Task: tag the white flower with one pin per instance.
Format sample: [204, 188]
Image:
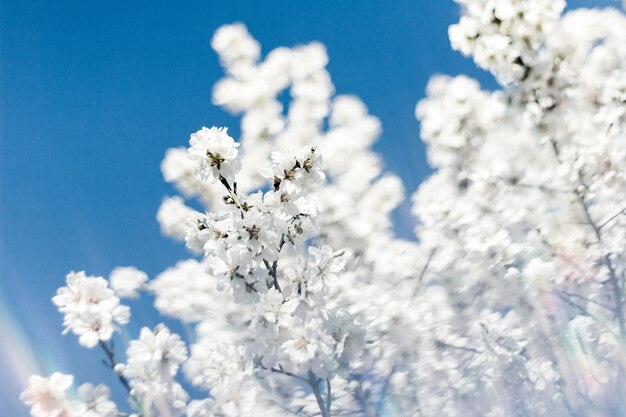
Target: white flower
[276, 309]
[47, 396]
[153, 361]
[127, 281]
[172, 217]
[91, 309]
[211, 365]
[326, 263]
[526, 198]
[293, 172]
[95, 401]
[505, 36]
[178, 168]
[236, 48]
[215, 154]
[302, 344]
[541, 373]
[188, 292]
[156, 354]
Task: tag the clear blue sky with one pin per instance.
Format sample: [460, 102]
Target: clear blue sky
[93, 93]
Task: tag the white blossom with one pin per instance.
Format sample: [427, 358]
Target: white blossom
[95, 401]
[172, 217]
[304, 300]
[153, 361]
[47, 396]
[215, 154]
[90, 308]
[127, 281]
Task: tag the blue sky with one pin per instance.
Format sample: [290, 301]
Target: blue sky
[93, 93]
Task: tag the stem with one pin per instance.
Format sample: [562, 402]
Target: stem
[273, 268]
[540, 187]
[232, 193]
[280, 370]
[108, 350]
[314, 383]
[610, 219]
[328, 396]
[431, 255]
[588, 300]
[112, 363]
[441, 343]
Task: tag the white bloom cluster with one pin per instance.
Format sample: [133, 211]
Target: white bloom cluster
[505, 36]
[524, 215]
[304, 301]
[187, 292]
[48, 398]
[237, 50]
[454, 119]
[243, 246]
[172, 216]
[350, 201]
[153, 361]
[215, 153]
[91, 309]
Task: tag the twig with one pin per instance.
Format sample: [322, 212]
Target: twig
[565, 293]
[328, 396]
[441, 343]
[108, 350]
[280, 370]
[314, 383]
[113, 363]
[613, 217]
[431, 255]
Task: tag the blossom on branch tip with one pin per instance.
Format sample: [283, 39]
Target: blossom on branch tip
[215, 154]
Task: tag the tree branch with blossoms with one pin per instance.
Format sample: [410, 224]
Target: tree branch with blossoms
[511, 291]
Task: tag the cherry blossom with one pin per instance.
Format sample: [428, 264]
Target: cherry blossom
[126, 281]
[90, 308]
[301, 299]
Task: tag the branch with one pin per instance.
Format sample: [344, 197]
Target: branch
[617, 291]
[424, 269]
[441, 343]
[328, 396]
[541, 187]
[280, 370]
[273, 268]
[108, 350]
[112, 363]
[565, 293]
[610, 219]
[314, 383]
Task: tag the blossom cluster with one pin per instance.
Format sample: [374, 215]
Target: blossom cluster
[505, 36]
[299, 297]
[91, 309]
[48, 397]
[524, 215]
